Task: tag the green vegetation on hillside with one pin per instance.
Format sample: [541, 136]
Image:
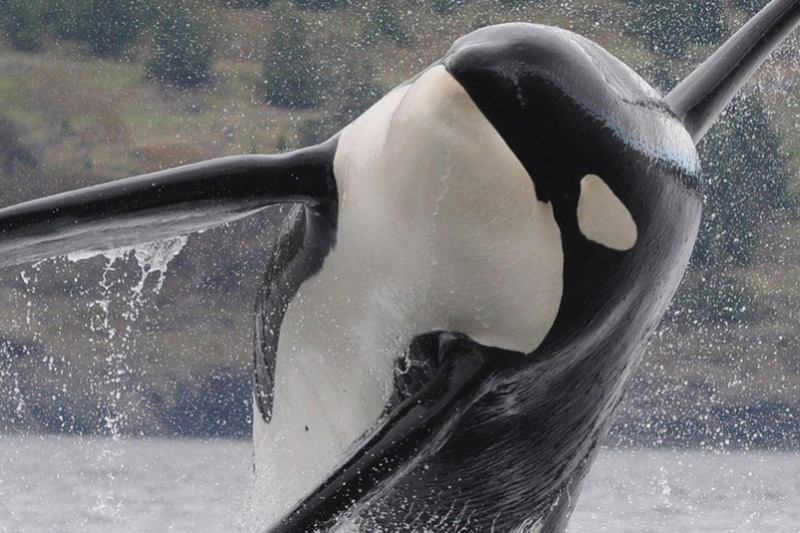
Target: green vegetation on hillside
[93, 90]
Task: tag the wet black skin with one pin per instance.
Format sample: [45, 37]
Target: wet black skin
[480, 437]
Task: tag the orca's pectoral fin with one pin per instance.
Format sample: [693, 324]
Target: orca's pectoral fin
[409, 433]
[163, 204]
[700, 98]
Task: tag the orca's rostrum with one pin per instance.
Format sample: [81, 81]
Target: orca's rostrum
[453, 309]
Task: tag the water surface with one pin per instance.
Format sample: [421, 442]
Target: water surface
[70, 484]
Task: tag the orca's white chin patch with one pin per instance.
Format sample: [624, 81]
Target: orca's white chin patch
[602, 217]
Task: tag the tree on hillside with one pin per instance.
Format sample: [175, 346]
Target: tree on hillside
[350, 89]
[445, 7]
[750, 7]
[182, 57]
[319, 5]
[515, 3]
[291, 75]
[260, 4]
[21, 22]
[745, 175]
[385, 20]
[110, 27]
[708, 22]
[665, 26]
[668, 28]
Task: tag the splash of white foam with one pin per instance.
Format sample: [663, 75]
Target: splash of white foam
[155, 257]
[152, 258]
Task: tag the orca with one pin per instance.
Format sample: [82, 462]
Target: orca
[465, 283]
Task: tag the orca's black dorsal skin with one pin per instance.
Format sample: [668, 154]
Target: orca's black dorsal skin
[451, 313]
[515, 449]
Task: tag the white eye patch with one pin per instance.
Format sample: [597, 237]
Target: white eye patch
[602, 217]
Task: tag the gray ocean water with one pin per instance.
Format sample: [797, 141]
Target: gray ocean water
[68, 484]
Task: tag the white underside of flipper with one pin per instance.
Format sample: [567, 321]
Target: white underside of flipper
[439, 229]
